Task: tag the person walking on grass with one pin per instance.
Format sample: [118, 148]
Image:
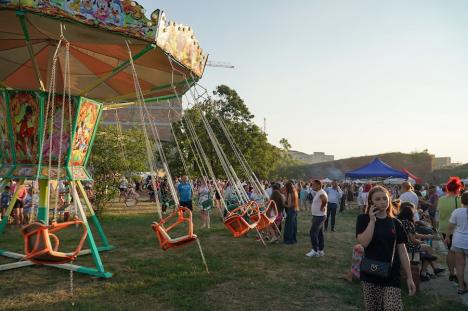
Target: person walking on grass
[334, 194]
[383, 238]
[458, 227]
[319, 214]
[292, 206]
[447, 204]
[185, 193]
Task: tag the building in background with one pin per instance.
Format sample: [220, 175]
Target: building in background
[316, 157]
[162, 113]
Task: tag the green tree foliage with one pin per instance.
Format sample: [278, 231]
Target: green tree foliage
[114, 155]
[286, 146]
[252, 142]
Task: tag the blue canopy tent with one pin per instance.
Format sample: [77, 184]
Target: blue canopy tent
[376, 168]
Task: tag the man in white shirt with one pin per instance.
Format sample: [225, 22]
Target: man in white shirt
[409, 196]
[334, 194]
[319, 214]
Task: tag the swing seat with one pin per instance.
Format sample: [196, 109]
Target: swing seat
[267, 216]
[41, 244]
[183, 215]
[242, 219]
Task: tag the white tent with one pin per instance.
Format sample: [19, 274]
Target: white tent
[398, 181]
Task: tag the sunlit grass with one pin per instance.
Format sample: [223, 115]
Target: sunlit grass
[244, 274]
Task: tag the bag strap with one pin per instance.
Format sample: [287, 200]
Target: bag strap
[394, 243]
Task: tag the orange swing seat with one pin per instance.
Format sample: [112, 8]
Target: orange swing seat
[267, 215]
[242, 219]
[38, 246]
[166, 242]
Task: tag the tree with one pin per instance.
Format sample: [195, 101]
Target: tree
[285, 144]
[115, 155]
[226, 105]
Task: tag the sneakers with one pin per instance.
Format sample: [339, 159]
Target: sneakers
[313, 253]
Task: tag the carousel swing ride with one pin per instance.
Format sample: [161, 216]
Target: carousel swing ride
[62, 63]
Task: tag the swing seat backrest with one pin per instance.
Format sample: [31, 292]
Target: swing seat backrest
[207, 203]
[268, 215]
[183, 215]
[41, 244]
[242, 219]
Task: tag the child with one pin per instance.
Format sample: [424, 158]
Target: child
[5, 200]
[206, 203]
[27, 210]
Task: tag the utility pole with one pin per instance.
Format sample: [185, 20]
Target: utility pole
[264, 125]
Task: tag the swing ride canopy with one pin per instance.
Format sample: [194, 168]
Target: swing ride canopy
[101, 33]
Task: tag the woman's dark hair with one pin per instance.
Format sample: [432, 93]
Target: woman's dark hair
[278, 198]
[406, 211]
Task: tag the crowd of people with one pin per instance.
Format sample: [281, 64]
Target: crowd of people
[398, 231]
[26, 205]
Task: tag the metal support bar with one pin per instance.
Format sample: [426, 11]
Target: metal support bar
[94, 218]
[3, 85]
[44, 197]
[15, 265]
[76, 268]
[90, 238]
[147, 100]
[115, 71]
[24, 26]
[151, 90]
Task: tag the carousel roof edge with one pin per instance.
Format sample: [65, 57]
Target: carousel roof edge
[125, 17]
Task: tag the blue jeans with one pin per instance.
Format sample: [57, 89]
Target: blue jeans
[290, 227]
[331, 211]
[316, 233]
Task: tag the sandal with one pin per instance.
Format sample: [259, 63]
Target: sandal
[461, 291]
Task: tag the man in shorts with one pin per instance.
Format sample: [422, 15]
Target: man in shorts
[19, 205]
[185, 193]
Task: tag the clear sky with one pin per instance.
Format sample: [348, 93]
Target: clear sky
[349, 77]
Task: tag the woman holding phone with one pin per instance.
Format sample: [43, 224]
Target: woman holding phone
[383, 238]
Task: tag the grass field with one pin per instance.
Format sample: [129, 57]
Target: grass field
[244, 274]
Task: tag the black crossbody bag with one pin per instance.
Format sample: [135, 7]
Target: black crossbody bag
[378, 268]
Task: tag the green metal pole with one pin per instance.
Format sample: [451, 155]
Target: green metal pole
[10, 207]
[43, 208]
[92, 244]
[24, 26]
[94, 218]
